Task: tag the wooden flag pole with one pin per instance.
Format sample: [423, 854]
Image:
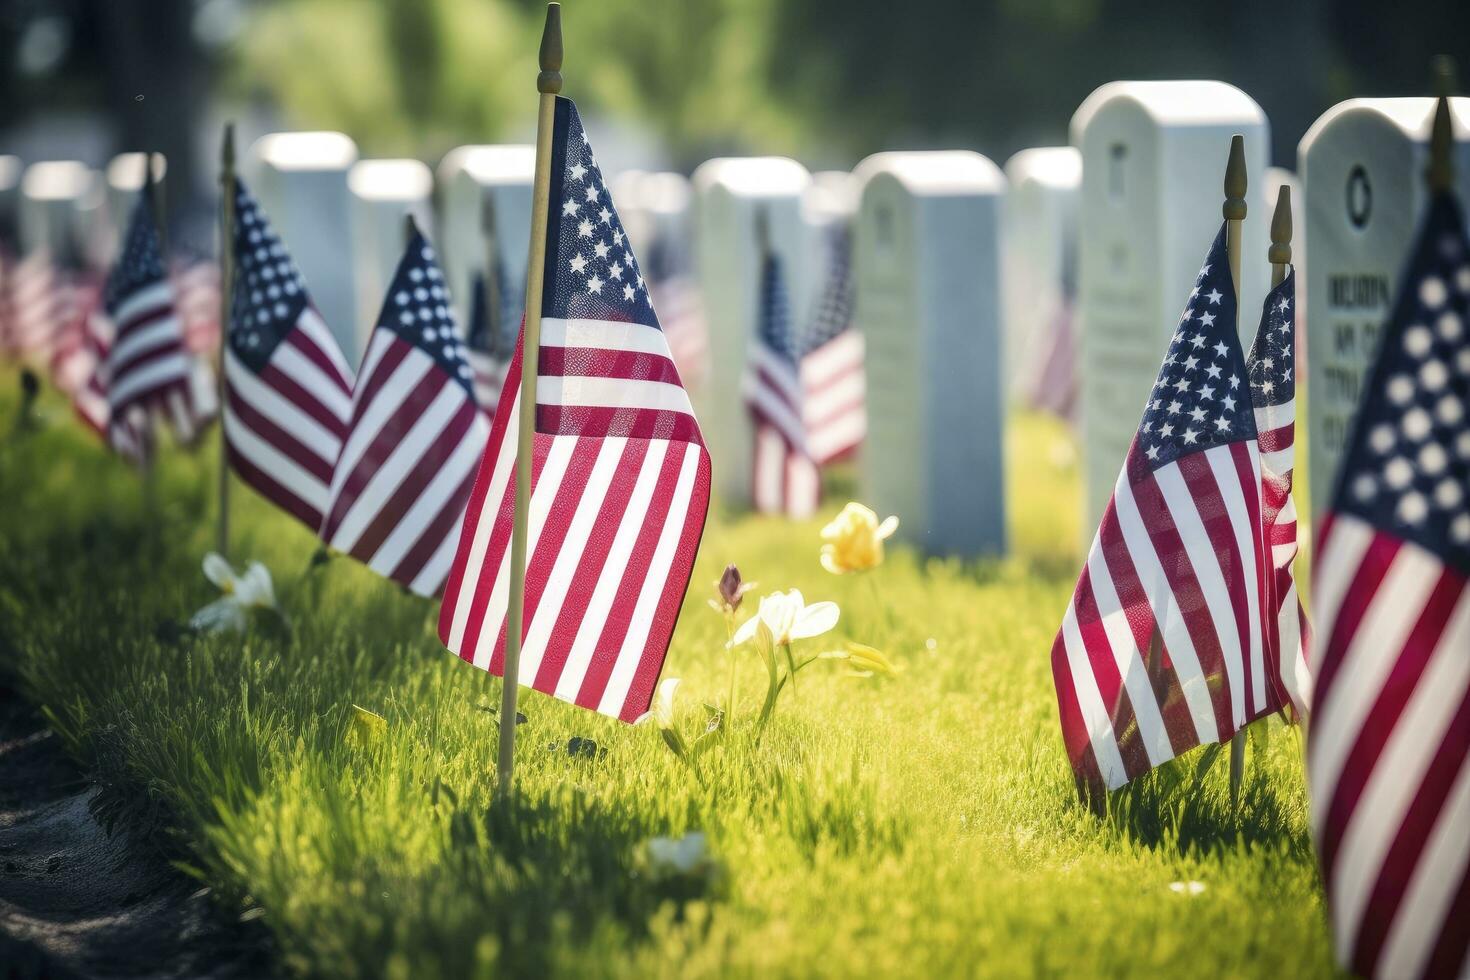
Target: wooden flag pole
[226, 295]
[1441, 171]
[1234, 210]
[548, 83]
[1280, 250]
[153, 191]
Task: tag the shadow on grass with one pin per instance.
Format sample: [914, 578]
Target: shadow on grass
[1185, 805]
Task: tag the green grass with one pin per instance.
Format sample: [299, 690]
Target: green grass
[924, 824]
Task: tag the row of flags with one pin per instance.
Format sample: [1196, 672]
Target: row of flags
[805, 393]
[1186, 624]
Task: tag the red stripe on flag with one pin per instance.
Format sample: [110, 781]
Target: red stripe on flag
[597, 362]
[620, 616]
[628, 423]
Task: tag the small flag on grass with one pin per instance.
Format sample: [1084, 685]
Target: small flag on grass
[620, 475]
[409, 457]
[288, 387]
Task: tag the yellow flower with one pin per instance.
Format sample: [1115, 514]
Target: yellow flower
[855, 540]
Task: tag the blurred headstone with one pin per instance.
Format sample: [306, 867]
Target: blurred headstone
[1153, 166]
[1362, 168]
[469, 177]
[300, 180]
[1039, 257]
[10, 171]
[51, 194]
[927, 267]
[383, 191]
[729, 193]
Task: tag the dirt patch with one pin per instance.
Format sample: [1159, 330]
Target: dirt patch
[78, 901]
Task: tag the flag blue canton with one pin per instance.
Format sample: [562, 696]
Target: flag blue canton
[1407, 469]
[417, 310]
[492, 331]
[1200, 399]
[1273, 381]
[590, 268]
[775, 313]
[141, 262]
[834, 310]
[269, 291]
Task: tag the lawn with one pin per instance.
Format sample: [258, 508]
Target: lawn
[919, 824]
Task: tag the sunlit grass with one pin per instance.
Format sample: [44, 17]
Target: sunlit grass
[914, 825]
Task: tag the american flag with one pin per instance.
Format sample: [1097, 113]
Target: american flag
[1272, 369]
[147, 366]
[1161, 648]
[834, 390]
[41, 300]
[72, 357]
[489, 341]
[196, 280]
[684, 325]
[784, 478]
[1388, 752]
[620, 473]
[288, 389]
[1053, 384]
[409, 457]
[90, 398]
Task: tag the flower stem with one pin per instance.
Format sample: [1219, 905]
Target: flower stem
[734, 662]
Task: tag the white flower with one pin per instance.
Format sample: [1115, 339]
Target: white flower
[784, 617]
[682, 856]
[242, 593]
[1186, 887]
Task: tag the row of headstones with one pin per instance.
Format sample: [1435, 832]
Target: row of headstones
[1120, 217]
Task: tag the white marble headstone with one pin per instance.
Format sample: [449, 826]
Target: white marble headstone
[469, 176]
[1153, 169]
[1362, 166]
[927, 267]
[300, 180]
[10, 171]
[52, 195]
[729, 192]
[1039, 256]
[383, 192]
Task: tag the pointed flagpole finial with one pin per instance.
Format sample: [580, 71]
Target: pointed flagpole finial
[1235, 181]
[1280, 251]
[227, 148]
[410, 228]
[1441, 172]
[549, 81]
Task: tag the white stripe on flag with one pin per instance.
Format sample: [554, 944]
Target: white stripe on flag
[599, 607]
[1365, 666]
[139, 381]
[574, 392]
[630, 657]
[1167, 615]
[633, 337]
[146, 301]
[1397, 775]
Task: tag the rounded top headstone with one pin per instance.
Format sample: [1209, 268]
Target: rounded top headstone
[935, 172]
[321, 150]
[1185, 102]
[390, 180]
[665, 193]
[510, 163]
[56, 180]
[1058, 167]
[753, 176]
[125, 171]
[1411, 115]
